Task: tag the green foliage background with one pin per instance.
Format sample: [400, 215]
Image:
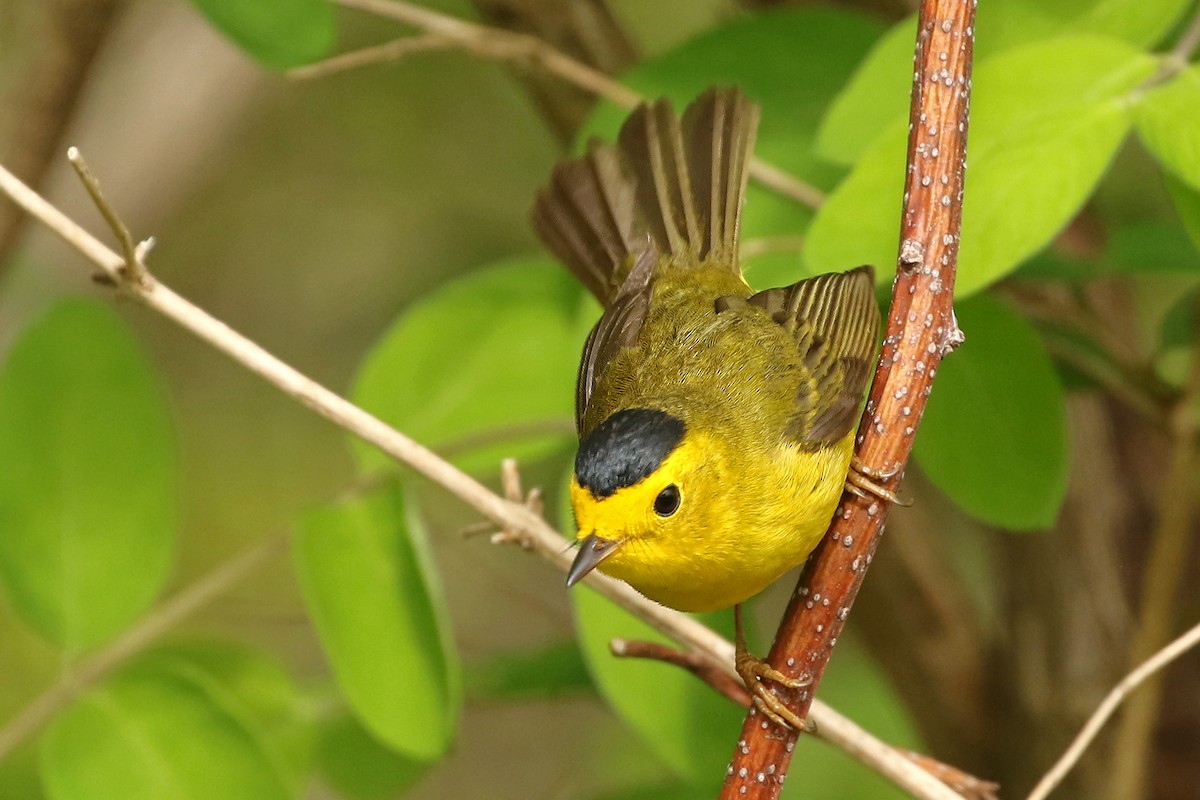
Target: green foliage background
[371, 229]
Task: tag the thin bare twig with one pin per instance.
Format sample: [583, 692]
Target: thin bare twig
[964, 783]
[156, 623]
[1105, 710]
[530, 51]
[921, 330]
[379, 54]
[517, 517]
[699, 664]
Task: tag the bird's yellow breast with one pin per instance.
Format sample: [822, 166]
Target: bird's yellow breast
[745, 517]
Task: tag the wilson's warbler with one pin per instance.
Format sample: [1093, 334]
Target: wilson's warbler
[716, 425]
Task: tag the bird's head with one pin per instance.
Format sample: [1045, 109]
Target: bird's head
[637, 480]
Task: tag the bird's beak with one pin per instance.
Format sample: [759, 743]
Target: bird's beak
[592, 550]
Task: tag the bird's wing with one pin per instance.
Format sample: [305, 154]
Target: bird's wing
[835, 321]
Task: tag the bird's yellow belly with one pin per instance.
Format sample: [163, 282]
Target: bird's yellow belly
[775, 532]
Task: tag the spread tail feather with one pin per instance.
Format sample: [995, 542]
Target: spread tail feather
[670, 187]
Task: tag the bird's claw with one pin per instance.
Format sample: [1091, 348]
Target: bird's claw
[754, 672]
[865, 482]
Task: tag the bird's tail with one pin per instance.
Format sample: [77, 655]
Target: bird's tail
[671, 186]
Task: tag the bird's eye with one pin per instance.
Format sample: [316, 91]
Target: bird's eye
[667, 502]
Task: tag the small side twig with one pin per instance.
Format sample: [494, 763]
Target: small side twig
[133, 269]
[1111, 702]
[378, 54]
[699, 664]
[967, 785]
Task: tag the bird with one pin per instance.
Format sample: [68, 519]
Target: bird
[716, 424]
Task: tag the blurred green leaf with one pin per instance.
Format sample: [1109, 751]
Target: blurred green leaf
[490, 353]
[252, 687]
[278, 33]
[151, 734]
[373, 592]
[1037, 149]
[358, 766]
[1139, 22]
[87, 476]
[550, 672]
[1168, 122]
[994, 432]
[876, 96]
[1187, 206]
[860, 222]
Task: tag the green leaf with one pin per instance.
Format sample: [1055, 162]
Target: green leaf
[1037, 149]
[150, 734]
[357, 765]
[873, 100]
[493, 352]
[87, 476]
[252, 687]
[1168, 122]
[1139, 22]
[278, 33]
[994, 433]
[373, 592]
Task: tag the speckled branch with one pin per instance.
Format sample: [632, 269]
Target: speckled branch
[921, 329]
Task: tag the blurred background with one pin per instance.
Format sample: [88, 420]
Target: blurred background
[310, 214]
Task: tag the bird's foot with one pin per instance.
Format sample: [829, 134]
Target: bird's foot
[865, 482]
[755, 672]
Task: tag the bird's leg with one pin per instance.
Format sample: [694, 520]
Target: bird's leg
[863, 481]
[754, 671]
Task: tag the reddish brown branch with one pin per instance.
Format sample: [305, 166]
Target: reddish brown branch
[700, 665]
[921, 329]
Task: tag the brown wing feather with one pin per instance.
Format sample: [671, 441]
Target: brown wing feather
[835, 320]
